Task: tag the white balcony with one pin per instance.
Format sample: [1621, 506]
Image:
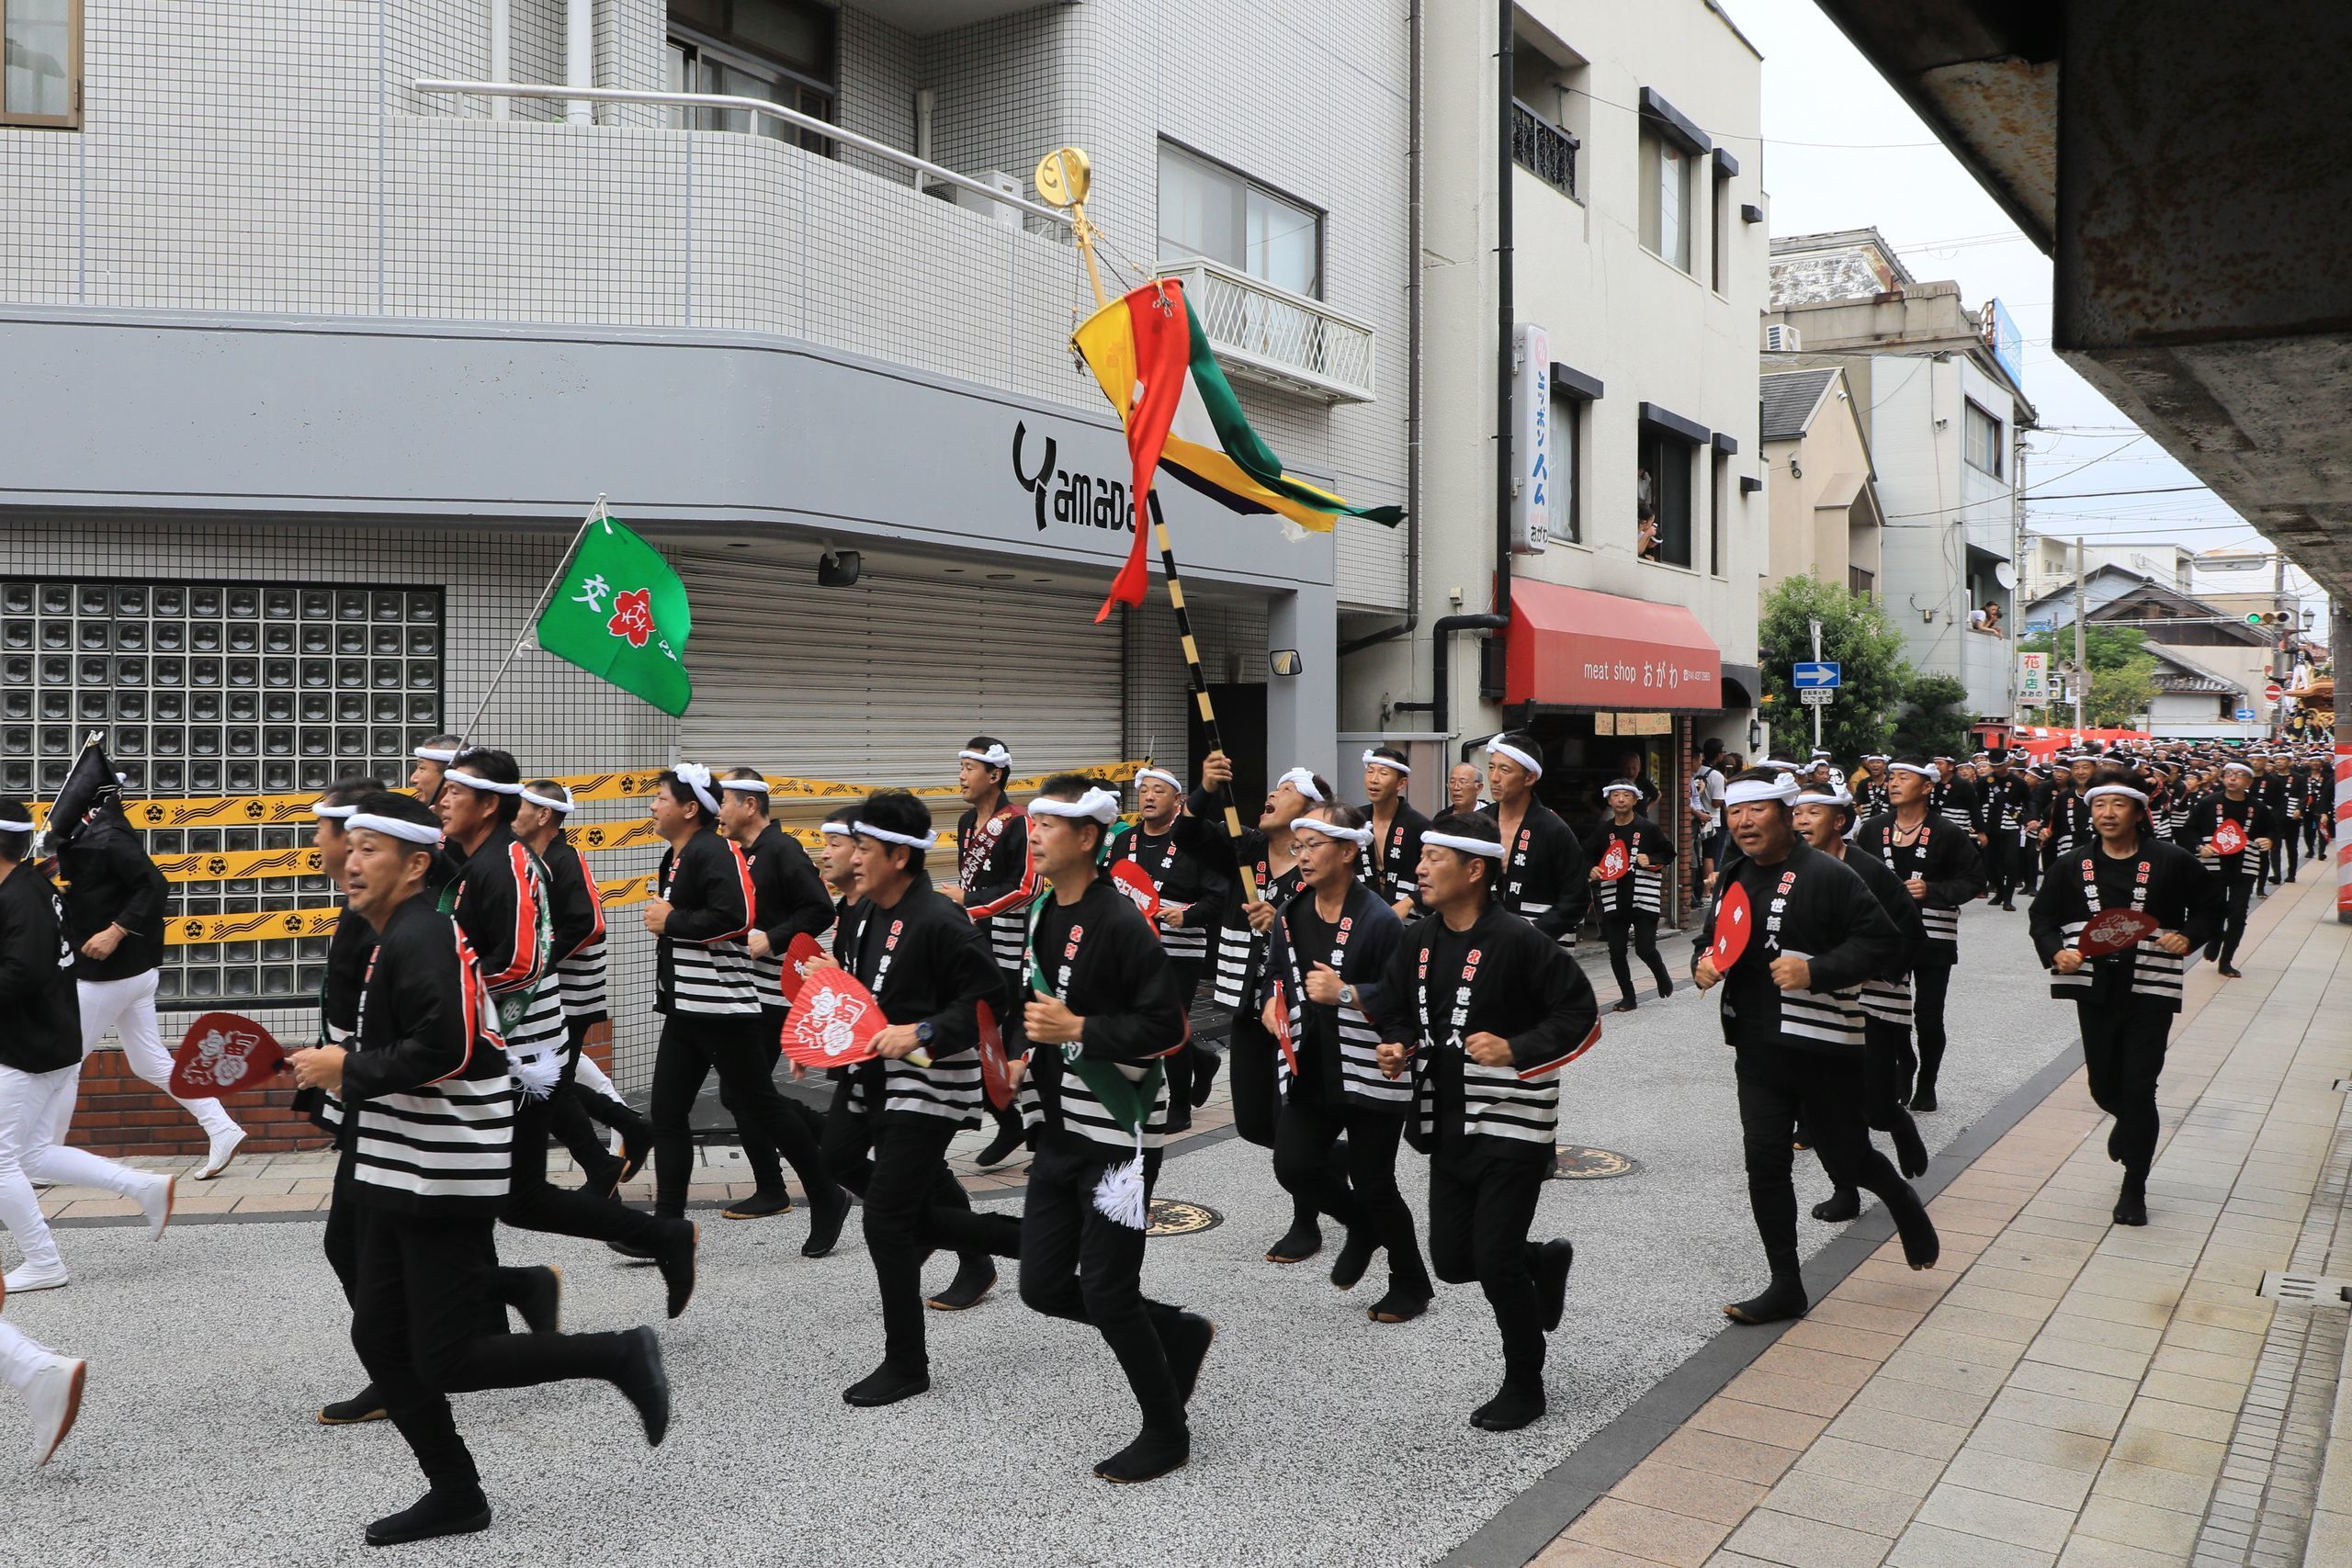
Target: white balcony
[1275, 338]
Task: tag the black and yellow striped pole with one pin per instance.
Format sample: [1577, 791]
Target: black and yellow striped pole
[1062, 180]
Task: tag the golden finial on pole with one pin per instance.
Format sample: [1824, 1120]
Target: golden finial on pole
[1063, 177]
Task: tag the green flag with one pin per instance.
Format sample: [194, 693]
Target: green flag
[619, 613]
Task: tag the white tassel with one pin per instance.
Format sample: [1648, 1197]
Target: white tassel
[1119, 1196]
[538, 1074]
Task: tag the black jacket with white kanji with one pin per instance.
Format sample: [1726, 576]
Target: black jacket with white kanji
[1393, 872]
[1812, 906]
[1545, 874]
[1946, 860]
[1101, 958]
[700, 963]
[37, 990]
[1642, 890]
[999, 875]
[925, 964]
[788, 899]
[1337, 1043]
[1185, 875]
[2158, 879]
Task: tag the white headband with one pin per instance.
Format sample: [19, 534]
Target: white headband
[1776, 762]
[562, 806]
[1873, 756]
[394, 826]
[1928, 773]
[846, 830]
[1628, 785]
[332, 813]
[475, 781]
[1303, 781]
[1825, 796]
[696, 777]
[1501, 748]
[1163, 775]
[2098, 790]
[749, 786]
[1333, 831]
[868, 831]
[1098, 804]
[995, 756]
[1468, 846]
[433, 754]
[1371, 760]
[1782, 789]
[2237, 768]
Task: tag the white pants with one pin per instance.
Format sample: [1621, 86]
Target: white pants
[127, 1007]
[20, 1358]
[35, 1109]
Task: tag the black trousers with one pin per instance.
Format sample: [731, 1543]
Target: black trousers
[1251, 1055]
[341, 1244]
[2001, 865]
[766, 1165]
[422, 1289]
[2311, 836]
[533, 1204]
[1185, 1064]
[912, 1205]
[2238, 892]
[2124, 1039]
[569, 1117]
[1780, 1088]
[1353, 1181]
[1639, 928]
[2285, 850]
[1888, 1066]
[1079, 1264]
[2029, 857]
[692, 1046]
[1930, 984]
[1482, 1203]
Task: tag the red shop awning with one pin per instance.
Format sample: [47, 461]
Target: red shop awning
[1575, 647]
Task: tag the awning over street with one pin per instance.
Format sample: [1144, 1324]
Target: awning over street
[1575, 647]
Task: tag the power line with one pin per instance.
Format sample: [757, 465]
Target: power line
[2073, 495]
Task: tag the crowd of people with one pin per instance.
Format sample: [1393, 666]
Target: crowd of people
[1389, 980]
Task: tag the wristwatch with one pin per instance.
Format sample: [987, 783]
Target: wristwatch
[923, 1031]
[1347, 996]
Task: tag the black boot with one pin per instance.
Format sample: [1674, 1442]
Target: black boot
[1783, 1298]
[1355, 1257]
[1838, 1207]
[1204, 1074]
[827, 1213]
[1301, 1241]
[1516, 1405]
[366, 1405]
[1910, 1149]
[759, 1206]
[645, 1383]
[541, 1302]
[1001, 1148]
[885, 1385]
[440, 1512]
[1923, 1099]
[1921, 1245]
[2131, 1203]
[1185, 1339]
[975, 1277]
[677, 1261]
[1152, 1455]
[1553, 1261]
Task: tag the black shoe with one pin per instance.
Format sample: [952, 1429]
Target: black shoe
[1401, 1304]
[1921, 1245]
[1001, 1148]
[1783, 1299]
[1838, 1207]
[1186, 1344]
[2011, 908]
[602, 1178]
[1301, 1241]
[975, 1278]
[1204, 1076]
[1509, 1410]
[1910, 1149]
[542, 1305]
[2212, 951]
[1553, 1261]
[435, 1514]
[759, 1206]
[1150, 1457]
[677, 1261]
[1923, 1099]
[633, 1252]
[365, 1405]
[2231, 972]
[637, 1145]
[826, 1216]
[645, 1384]
[885, 1386]
[1625, 1006]
[1355, 1257]
[1665, 986]
[2131, 1203]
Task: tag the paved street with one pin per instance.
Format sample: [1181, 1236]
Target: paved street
[1321, 1438]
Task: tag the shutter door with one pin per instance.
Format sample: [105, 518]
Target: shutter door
[883, 682]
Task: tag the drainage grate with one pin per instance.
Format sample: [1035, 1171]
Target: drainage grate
[2305, 1290]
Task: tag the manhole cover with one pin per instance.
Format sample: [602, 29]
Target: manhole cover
[1576, 1162]
[1174, 1216]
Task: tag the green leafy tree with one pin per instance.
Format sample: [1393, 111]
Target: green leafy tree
[1934, 721]
[2122, 673]
[1856, 635]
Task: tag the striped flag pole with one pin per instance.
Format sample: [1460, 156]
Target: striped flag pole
[2342, 824]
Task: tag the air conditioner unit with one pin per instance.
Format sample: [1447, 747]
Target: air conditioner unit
[1781, 340]
[971, 201]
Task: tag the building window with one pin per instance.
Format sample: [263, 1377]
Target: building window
[783, 51]
[1860, 583]
[1666, 199]
[1719, 223]
[1664, 534]
[41, 83]
[1568, 465]
[1206, 210]
[219, 690]
[1983, 441]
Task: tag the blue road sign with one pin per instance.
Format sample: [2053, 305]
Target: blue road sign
[2245, 716]
[2037, 628]
[1815, 677]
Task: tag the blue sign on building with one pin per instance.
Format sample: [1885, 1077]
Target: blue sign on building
[2002, 337]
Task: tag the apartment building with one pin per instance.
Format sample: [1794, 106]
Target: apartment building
[1826, 518]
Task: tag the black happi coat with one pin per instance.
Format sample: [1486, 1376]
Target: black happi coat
[925, 963]
[1946, 860]
[1337, 1043]
[1185, 873]
[1119, 980]
[1638, 891]
[111, 882]
[1544, 872]
[2175, 891]
[1815, 905]
[37, 990]
[2208, 815]
[1394, 874]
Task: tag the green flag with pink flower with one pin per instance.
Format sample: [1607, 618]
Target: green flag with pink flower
[619, 611]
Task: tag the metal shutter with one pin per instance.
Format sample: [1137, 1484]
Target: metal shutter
[881, 683]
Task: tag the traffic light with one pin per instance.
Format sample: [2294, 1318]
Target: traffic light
[2270, 620]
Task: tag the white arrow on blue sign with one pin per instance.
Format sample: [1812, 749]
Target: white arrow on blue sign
[1815, 677]
[2245, 716]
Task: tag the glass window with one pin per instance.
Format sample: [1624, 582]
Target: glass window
[1666, 199]
[1205, 210]
[1983, 436]
[1664, 489]
[1719, 244]
[42, 81]
[1568, 467]
[780, 51]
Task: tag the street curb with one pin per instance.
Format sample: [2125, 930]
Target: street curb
[1530, 1522]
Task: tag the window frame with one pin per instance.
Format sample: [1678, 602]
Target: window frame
[1972, 411]
[1668, 440]
[72, 119]
[1247, 183]
[704, 48]
[1655, 148]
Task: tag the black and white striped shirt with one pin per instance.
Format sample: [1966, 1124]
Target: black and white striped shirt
[1101, 958]
[701, 965]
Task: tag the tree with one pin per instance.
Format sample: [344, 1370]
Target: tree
[1934, 721]
[2122, 673]
[1856, 635]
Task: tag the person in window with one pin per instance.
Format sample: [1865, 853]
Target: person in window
[1989, 619]
[1645, 541]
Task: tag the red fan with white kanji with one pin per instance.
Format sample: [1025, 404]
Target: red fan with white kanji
[2228, 838]
[2112, 930]
[1614, 862]
[996, 1078]
[833, 1022]
[223, 1053]
[798, 954]
[1136, 883]
[1734, 921]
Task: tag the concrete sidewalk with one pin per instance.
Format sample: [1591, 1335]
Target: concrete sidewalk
[2062, 1389]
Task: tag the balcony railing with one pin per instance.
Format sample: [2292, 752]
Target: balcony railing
[1542, 148]
[1276, 338]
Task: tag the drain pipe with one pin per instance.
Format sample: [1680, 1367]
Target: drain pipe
[579, 59]
[1506, 313]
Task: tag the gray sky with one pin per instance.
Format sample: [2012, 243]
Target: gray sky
[1842, 150]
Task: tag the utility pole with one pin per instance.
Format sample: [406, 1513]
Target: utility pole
[2081, 659]
[1816, 707]
[2282, 660]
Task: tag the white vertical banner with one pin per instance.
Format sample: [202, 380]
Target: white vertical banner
[2033, 680]
[1530, 440]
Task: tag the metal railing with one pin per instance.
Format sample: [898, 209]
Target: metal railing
[1277, 338]
[1542, 148]
[760, 107]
